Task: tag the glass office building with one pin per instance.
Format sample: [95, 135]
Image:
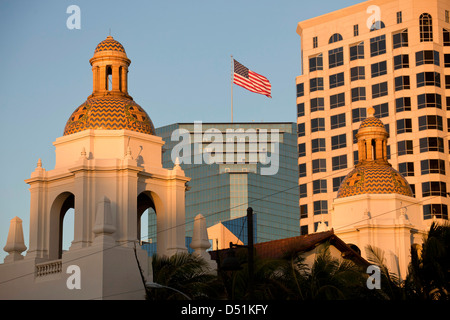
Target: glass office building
[248, 165]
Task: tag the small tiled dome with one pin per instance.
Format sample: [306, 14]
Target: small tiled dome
[371, 122]
[109, 113]
[109, 44]
[373, 178]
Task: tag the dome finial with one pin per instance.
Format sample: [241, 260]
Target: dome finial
[370, 112]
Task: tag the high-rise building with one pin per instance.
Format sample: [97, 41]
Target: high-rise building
[393, 56]
[230, 176]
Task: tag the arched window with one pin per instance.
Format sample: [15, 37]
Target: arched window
[108, 78]
[426, 27]
[147, 230]
[59, 226]
[377, 25]
[335, 38]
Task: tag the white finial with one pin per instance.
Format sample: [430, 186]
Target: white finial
[128, 154]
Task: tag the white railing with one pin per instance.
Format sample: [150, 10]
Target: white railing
[47, 268]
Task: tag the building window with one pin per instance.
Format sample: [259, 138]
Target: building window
[357, 51]
[315, 42]
[406, 168]
[301, 150]
[320, 207]
[399, 17]
[337, 182]
[300, 90]
[301, 129]
[434, 188]
[429, 100]
[446, 16]
[403, 104]
[378, 69]
[358, 94]
[355, 30]
[303, 230]
[430, 122]
[358, 114]
[429, 166]
[317, 104]
[336, 80]
[446, 37]
[316, 63]
[379, 90]
[303, 211]
[337, 100]
[319, 186]
[381, 110]
[335, 38]
[377, 46]
[404, 125]
[338, 121]
[401, 61]
[357, 73]
[447, 82]
[448, 102]
[300, 109]
[402, 83]
[303, 190]
[339, 162]
[317, 145]
[404, 147]
[447, 60]
[319, 165]
[336, 57]
[302, 170]
[438, 210]
[400, 39]
[427, 57]
[317, 124]
[426, 27]
[338, 142]
[315, 84]
[431, 144]
[428, 79]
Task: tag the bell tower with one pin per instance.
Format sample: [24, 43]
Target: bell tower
[108, 169]
[110, 69]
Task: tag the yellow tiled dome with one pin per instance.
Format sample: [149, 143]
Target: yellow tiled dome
[109, 113]
[371, 122]
[373, 178]
[110, 44]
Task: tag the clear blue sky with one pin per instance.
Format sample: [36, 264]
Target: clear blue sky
[180, 70]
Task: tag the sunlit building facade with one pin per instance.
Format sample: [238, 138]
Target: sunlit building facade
[394, 56]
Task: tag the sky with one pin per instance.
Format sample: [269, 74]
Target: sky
[180, 70]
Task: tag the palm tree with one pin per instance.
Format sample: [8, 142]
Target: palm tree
[429, 271]
[186, 273]
[392, 288]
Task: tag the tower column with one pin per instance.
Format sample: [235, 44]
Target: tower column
[379, 149]
[124, 80]
[369, 155]
[115, 78]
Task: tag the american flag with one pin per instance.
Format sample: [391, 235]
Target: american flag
[251, 80]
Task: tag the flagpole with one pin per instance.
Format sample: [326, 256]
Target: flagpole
[232, 75]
